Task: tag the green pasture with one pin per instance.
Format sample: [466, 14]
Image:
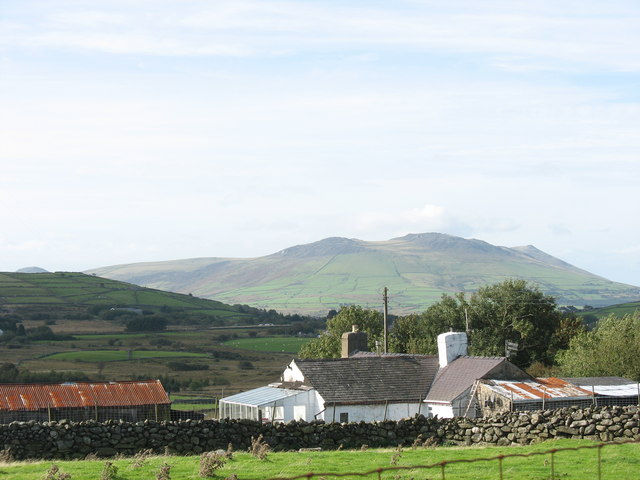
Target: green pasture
[125, 336]
[78, 289]
[619, 310]
[618, 462]
[269, 344]
[204, 404]
[119, 355]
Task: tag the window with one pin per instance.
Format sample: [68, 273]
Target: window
[344, 417]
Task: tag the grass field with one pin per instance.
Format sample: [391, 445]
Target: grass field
[119, 355]
[618, 310]
[269, 344]
[76, 290]
[618, 463]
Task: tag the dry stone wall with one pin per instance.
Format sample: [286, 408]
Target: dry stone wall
[66, 440]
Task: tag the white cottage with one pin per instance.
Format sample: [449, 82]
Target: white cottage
[364, 386]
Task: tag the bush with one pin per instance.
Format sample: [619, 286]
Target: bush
[210, 462]
[245, 365]
[259, 448]
[186, 367]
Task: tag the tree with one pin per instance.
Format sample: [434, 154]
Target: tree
[515, 311]
[611, 349]
[511, 310]
[328, 344]
[419, 333]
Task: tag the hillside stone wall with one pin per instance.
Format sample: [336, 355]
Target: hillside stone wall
[66, 440]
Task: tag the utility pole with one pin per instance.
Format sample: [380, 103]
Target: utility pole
[385, 300]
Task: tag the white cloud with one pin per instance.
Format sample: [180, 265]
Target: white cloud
[552, 37]
[428, 218]
[243, 127]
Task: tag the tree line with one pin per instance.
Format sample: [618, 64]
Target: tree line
[549, 341]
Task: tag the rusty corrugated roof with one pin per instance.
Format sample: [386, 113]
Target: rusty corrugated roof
[536, 390]
[81, 394]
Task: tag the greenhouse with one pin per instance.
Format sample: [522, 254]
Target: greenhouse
[267, 404]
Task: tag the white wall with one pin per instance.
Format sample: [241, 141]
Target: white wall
[457, 408]
[372, 413]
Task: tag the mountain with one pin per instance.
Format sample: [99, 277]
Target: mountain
[417, 269]
[31, 270]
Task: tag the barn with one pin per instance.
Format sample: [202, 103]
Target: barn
[78, 401]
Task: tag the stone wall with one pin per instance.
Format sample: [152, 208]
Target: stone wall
[65, 440]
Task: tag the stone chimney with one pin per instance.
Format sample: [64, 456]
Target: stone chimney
[451, 345]
[352, 341]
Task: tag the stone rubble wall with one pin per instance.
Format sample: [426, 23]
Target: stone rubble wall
[66, 440]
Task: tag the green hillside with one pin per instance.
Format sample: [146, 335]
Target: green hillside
[71, 294]
[417, 269]
[619, 310]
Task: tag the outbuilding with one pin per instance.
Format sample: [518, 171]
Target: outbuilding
[78, 401]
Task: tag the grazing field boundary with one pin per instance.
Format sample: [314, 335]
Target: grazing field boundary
[441, 467]
[66, 440]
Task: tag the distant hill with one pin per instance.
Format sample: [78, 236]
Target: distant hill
[69, 294]
[32, 270]
[417, 269]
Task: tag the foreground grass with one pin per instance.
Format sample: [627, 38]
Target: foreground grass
[618, 463]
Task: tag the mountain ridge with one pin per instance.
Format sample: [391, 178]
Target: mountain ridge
[417, 268]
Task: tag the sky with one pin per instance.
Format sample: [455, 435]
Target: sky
[147, 130]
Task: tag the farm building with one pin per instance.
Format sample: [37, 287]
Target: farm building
[549, 393]
[609, 390]
[365, 386]
[272, 403]
[496, 396]
[340, 390]
[357, 387]
[130, 401]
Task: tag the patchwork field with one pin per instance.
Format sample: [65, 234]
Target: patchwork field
[269, 344]
[119, 355]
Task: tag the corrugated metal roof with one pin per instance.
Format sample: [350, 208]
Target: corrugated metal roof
[608, 386]
[536, 390]
[261, 396]
[81, 394]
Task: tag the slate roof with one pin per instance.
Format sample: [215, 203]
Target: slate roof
[460, 375]
[376, 379]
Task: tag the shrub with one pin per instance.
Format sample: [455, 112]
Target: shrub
[54, 473]
[210, 462]
[164, 473]
[259, 448]
[245, 365]
[109, 471]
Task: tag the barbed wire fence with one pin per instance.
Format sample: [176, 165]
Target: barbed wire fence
[441, 467]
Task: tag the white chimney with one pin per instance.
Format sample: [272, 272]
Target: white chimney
[451, 345]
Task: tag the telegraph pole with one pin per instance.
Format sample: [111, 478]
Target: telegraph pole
[385, 300]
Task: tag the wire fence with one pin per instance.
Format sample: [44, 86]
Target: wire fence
[98, 413]
[440, 468]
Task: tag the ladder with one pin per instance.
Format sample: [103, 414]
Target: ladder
[474, 389]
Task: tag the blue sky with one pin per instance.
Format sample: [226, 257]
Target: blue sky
[155, 130]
